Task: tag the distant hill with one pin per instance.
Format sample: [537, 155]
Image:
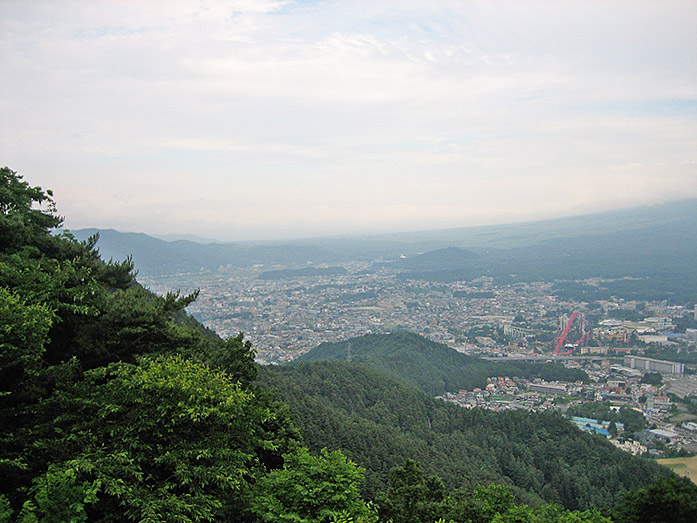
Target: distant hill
[155, 257]
[380, 422]
[189, 237]
[429, 366]
[660, 257]
[151, 255]
[507, 236]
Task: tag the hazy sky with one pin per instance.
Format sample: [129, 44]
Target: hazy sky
[255, 119]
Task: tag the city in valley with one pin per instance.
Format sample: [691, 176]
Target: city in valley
[639, 355]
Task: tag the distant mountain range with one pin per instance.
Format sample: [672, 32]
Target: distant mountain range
[155, 257]
[657, 244]
[530, 233]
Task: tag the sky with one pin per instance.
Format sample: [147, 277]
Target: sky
[251, 120]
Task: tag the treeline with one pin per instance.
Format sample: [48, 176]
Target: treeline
[432, 367]
[414, 497]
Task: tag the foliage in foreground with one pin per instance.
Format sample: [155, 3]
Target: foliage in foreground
[115, 406]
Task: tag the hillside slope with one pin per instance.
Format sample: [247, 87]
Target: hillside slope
[380, 422]
[513, 235]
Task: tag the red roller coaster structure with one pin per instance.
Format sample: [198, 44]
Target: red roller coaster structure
[563, 328]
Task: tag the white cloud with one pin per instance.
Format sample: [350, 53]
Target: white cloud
[331, 115]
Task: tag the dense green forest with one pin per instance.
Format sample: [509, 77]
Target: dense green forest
[380, 422]
[432, 367]
[116, 406]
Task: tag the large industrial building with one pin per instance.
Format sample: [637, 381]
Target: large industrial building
[649, 364]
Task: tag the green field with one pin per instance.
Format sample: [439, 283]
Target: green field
[686, 467]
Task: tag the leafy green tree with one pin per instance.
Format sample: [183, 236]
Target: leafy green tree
[22, 224]
[345, 517]
[235, 356]
[5, 509]
[59, 497]
[411, 497]
[166, 440]
[23, 335]
[131, 322]
[548, 514]
[480, 506]
[669, 499]
[310, 489]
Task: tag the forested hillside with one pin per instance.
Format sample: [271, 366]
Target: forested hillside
[429, 366]
[116, 406]
[380, 422]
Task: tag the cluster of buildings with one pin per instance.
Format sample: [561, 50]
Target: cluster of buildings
[668, 427]
[654, 325]
[287, 316]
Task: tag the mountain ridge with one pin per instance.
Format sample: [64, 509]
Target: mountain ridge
[655, 242]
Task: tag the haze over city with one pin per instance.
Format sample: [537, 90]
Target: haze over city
[268, 119]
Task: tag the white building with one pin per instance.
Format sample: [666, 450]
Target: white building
[651, 365]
